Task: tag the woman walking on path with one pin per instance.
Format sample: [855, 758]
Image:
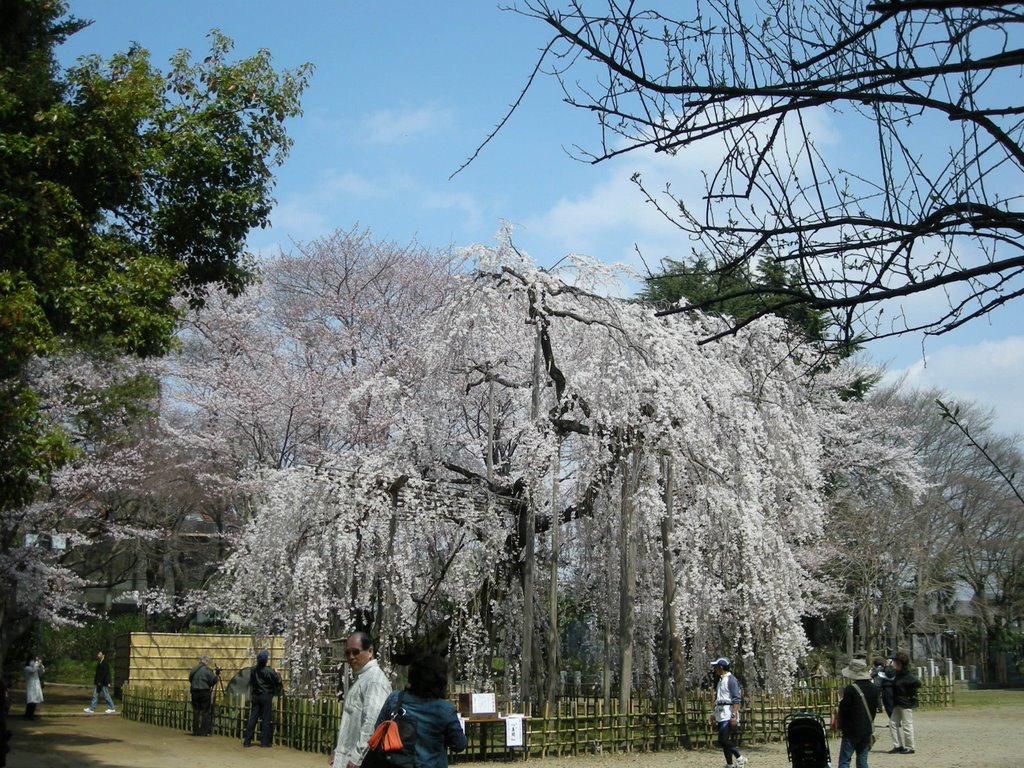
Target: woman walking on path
[33, 686]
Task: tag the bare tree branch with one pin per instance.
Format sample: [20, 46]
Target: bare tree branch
[920, 192]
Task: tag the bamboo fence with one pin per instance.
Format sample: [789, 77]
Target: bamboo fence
[578, 725]
[163, 659]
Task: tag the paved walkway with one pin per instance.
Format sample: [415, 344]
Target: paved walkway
[109, 741]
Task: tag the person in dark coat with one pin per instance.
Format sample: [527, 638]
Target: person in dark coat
[101, 684]
[881, 676]
[201, 682]
[264, 684]
[904, 692]
[855, 714]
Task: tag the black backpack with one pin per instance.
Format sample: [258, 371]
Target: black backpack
[405, 757]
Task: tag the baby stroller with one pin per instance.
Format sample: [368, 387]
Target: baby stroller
[806, 741]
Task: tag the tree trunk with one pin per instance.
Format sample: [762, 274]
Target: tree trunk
[384, 588]
[670, 661]
[528, 527]
[627, 593]
[552, 638]
[606, 681]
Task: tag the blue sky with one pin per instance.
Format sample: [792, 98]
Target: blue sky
[405, 90]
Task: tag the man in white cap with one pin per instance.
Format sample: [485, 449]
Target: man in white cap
[726, 713]
[855, 714]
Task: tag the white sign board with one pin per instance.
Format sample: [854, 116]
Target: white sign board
[514, 731]
[484, 704]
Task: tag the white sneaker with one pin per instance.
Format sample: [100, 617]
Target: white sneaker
[111, 712]
[88, 710]
[741, 762]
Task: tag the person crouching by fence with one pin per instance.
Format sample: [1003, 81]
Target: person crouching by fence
[201, 682]
[264, 685]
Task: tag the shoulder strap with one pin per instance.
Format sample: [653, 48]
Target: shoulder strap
[397, 709]
[863, 700]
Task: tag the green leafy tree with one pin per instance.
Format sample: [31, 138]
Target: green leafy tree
[730, 292]
[121, 188]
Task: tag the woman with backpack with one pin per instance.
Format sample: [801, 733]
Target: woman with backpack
[425, 703]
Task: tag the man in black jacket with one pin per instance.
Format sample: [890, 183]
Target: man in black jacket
[201, 682]
[856, 714]
[881, 675]
[904, 690]
[101, 684]
[264, 684]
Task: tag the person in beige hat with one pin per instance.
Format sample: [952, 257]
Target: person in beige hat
[855, 714]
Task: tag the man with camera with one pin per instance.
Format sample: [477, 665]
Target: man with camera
[202, 680]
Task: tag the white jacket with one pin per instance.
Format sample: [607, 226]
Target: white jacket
[33, 688]
[359, 714]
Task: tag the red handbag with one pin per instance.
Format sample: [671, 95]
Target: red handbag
[393, 743]
[386, 737]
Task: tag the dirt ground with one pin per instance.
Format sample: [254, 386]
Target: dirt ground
[984, 729]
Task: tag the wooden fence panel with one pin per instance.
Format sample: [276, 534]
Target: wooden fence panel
[163, 659]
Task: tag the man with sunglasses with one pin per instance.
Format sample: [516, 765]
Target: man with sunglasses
[363, 702]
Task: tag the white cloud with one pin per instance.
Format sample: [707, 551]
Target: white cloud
[297, 216]
[392, 204]
[989, 373]
[391, 126]
[467, 206]
[354, 185]
[612, 218]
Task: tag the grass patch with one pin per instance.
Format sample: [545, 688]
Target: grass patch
[988, 699]
[70, 671]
